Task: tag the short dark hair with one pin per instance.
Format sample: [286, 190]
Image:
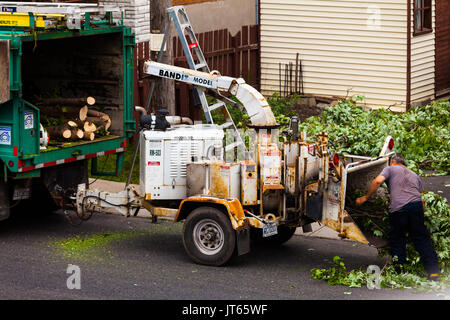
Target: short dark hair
[399, 159]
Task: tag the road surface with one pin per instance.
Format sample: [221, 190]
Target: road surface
[131, 258]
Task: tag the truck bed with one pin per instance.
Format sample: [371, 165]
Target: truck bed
[64, 64]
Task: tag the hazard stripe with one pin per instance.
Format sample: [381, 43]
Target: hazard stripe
[71, 159]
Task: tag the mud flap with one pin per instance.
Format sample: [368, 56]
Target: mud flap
[4, 200]
[243, 241]
[314, 204]
[62, 181]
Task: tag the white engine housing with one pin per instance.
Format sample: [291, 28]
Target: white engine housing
[164, 155]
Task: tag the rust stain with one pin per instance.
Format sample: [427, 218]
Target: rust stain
[347, 230]
[164, 212]
[233, 206]
[270, 217]
[255, 223]
[219, 182]
[291, 179]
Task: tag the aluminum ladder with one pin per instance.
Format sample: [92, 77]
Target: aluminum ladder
[179, 17]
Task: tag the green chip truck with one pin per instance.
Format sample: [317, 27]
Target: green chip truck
[65, 52]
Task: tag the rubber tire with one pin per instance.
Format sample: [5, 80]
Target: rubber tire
[226, 252]
[284, 234]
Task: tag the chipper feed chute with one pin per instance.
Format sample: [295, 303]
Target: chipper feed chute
[355, 172]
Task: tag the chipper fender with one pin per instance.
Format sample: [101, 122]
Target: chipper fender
[232, 207]
[214, 229]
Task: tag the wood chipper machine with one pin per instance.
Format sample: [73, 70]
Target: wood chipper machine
[249, 185]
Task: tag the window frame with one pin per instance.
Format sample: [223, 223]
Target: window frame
[426, 17]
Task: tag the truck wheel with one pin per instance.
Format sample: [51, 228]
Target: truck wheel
[284, 234]
[208, 237]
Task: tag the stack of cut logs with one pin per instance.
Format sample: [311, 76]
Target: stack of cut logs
[80, 123]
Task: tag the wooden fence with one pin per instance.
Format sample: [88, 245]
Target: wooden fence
[235, 56]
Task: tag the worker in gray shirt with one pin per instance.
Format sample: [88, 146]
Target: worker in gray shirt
[406, 214]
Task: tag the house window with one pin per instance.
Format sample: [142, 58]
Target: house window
[422, 16]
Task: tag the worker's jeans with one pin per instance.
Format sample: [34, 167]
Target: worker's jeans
[410, 219]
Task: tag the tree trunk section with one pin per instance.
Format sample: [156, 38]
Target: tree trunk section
[99, 122]
[66, 101]
[69, 113]
[60, 133]
[164, 92]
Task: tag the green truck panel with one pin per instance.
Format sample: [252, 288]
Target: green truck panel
[94, 61]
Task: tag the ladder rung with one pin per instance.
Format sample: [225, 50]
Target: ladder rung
[226, 125]
[200, 65]
[185, 25]
[216, 106]
[233, 145]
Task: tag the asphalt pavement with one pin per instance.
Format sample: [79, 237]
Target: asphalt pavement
[135, 259]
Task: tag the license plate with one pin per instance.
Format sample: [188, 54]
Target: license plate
[270, 229]
[21, 194]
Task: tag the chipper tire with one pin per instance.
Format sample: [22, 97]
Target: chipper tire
[208, 237]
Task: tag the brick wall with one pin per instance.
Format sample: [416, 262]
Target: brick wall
[136, 16]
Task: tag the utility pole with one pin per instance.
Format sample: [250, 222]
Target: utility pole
[164, 92]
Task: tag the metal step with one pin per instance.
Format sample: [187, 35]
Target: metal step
[200, 66]
[226, 125]
[216, 106]
[233, 145]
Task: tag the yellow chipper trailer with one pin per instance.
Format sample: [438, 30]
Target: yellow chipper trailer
[226, 191]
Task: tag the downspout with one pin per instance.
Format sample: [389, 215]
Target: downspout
[257, 11]
[408, 57]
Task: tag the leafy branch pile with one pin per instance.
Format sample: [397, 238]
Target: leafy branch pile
[421, 134]
[437, 220]
[389, 278]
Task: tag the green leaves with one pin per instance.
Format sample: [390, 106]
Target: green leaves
[437, 220]
[421, 134]
[339, 276]
[388, 278]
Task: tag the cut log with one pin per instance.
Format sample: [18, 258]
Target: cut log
[90, 101]
[60, 133]
[72, 124]
[89, 126]
[77, 134]
[66, 101]
[84, 125]
[72, 113]
[65, 132]
[89, 136]
[97, 114]
[101, 121]
[83, 113]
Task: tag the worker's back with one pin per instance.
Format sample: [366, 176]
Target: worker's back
[404, 186]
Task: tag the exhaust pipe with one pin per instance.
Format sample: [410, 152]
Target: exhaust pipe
[172, 120]
[179, 120]
[141, 110]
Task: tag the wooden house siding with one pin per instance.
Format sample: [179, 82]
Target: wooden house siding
[442, 47]
[344, 45]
